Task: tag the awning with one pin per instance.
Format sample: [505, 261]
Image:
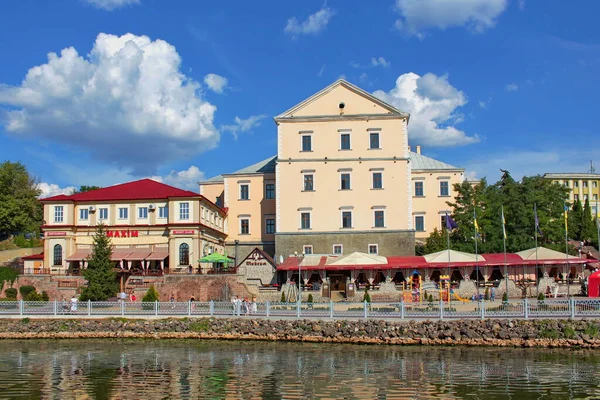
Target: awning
[79, 255]
[138, 255]
[158, 255]
[120, 254]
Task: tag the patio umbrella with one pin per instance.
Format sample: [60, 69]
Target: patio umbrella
[216, 258]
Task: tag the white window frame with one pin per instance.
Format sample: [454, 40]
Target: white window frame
[374, 218]
[342, 219]
[369, 248]
[341, 246]
[448, 188]
[302, 136]
[240, 191]
[163, 212]
[85, 211]
[304, 182]
[420, 216]
[349, 140]
[378, 133]
[349, 173]
[307, 246]
[422, 188]
[184, 211]
[309, 212]
[103, 210]
[373, 180]
[142, 212]
[59, 214]
[240, 225]
[123, 210]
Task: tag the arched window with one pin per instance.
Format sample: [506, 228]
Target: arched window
[184, 254]
[58, 254]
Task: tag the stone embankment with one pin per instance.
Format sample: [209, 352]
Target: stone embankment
[504, 333]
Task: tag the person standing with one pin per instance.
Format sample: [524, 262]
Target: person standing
[74, 301]
[493, 296]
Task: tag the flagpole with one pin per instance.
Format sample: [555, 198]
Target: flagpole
[504, 242]
[448, 269]
[598, 222]
[476, 257]
[567, 247]
[535, 228]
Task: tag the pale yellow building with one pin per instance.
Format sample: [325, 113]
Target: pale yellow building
[583, 186]
[152, 226]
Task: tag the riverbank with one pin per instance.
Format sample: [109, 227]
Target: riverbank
[499, 333]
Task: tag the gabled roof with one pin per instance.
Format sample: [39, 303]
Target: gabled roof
[349, 86]
[543, 254]
[421, 162]
[214, 179]
[143, 189]
[266, 166]
[358, 258]
[453, 257]
[257, 252]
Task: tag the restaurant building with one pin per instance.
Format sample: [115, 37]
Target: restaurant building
[153, 227]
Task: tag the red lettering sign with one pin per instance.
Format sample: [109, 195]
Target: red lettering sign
[184, 232]
[122, 234]
[55, 233]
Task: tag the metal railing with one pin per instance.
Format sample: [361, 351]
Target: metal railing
[563, 308]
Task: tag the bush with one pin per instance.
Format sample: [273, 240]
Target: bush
[25, 290]
[151, 295]
[367, 296]
[11, 293]
[45, 296]
[569, 332]
[541, 297]
[505, 297]
[310, 298]
[8, 274]
[33, 296]
[591, 330]
[486, 295]
[548, 333]
[430, 299]
[282, 296]
[202, 325]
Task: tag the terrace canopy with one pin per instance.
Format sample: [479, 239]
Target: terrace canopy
[216, 258]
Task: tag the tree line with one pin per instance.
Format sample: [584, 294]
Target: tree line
[520, 202]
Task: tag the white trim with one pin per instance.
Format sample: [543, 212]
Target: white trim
[440, 189]
[240, 219]
[373, 180]
[383, 211]
[415, 222]
[302, 142]
[409, 188]
[369, 248]
[305, 246]
[309, 212]
[415, 188]
[342, 211]
[313, 182]
[349, 133]
[333, 249]
[343, 171]
[378, 133]
[240, 190]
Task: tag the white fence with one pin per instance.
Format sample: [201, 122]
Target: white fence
[555, 308]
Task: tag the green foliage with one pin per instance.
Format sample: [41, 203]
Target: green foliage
[588, 225]
[367, 296]
[282, 296]
[25, 290]
[7, 274]
[541, 297]
[310, 298]
[20, 210]
[11, 293]
[569, 332]
[25, 320]
[430, 298]
[151, 295]
[202, 325]
[33, 296]
[548, 333]
[436, 241]
[45, 296]
[504, 297]
[486, 295]
[591, 329]
[86, 188]
[22, 242]
[100, 274]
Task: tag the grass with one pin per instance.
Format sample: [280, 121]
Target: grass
[569, 332]
[25, 320]
[202, 325]
[547, 333]
[591, 330]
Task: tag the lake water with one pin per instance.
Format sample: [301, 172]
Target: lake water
[188, 369]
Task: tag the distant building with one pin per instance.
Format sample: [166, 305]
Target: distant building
[583, 186]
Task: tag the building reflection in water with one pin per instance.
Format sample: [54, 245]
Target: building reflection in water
[248, 370]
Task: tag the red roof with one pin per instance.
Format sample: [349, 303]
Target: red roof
[34, 257]
[137, 190]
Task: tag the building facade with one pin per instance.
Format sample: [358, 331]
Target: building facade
[582, 187]
[152, 227]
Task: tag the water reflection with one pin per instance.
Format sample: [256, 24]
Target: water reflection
[253, 370]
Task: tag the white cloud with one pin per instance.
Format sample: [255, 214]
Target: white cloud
[432, 103]
[482, 104]
[418, 16]
[216, 83]
[363, 77]
[313, 25]
[126, 102]
[187, 179]
[243, 125]
[110, 5]
[512, 87]
[52, 189]
[521, 4]
[321, 70]
[380, 62]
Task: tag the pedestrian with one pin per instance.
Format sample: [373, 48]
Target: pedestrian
[133, 298]
[254, 306]
[74, 301]
[172, 300]
[64, 305]
[192, 305]
[493, 296]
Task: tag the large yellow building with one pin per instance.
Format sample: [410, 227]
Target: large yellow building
[583, 186]
[344, 180]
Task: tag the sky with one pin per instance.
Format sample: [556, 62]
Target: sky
[100, 92]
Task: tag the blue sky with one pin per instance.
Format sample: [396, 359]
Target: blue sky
[185, 90]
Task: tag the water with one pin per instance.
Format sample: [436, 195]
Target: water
[172, 369]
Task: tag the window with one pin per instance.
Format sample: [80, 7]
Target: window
[244, 192]
[585, 197]
[84, 214]
[345, 182]
[595, 184]
[420, 223]
[307, 250]
[373, 249]
[308, 183]
[305, 220]
[443, 222]
[345, 141]
[379, 219]
[594, 197]
[143, 213]
[585, 184]
[374, 141]
[244, 226]
[58, 213]
[444, 188]
[338, 249]
[270, 226]
[306, 143]
[377, 180]
[103, 213]
[269, 191]
[346, 219]
[566, 183]
[184, 254]
[163, 212]
[419, 189]
[575, 184]
[184, 211]
[58, 254]
[576, 197]
[123, 213]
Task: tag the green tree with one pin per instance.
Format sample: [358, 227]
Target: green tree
[588, 228]
[576, 220]
[100, 274]
[20, 210]
[436, 241]
[151, 295]
[86, 188]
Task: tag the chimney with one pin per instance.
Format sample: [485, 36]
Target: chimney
[408, 148]
[418, 149]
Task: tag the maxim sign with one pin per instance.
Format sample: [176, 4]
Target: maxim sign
[122, 234]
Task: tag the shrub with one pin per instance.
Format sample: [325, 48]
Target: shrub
[591, 330]
[202, 325]
[547, 333]
[486, 295]
[505, 297]
[25, 290]
[541, 297]
[569, 332]
[151, 295]
[45, 296]
[367, 296]
[430, 299]
[25, 320]
[282, 296]
[310, 298]
[33, 296]
[7, 274]
[11, 293]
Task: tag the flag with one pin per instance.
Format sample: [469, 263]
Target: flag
[566, 215]
[503, 224]
[450, 223]
[537, 221]
[475, 222]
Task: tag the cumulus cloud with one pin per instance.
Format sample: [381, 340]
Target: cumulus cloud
[126, 102]
[243, 125]
[512, 87]
[419, 16]
[380, 62]
[432, 103]
[52, 189]
[187, 179]
[313, 25]
[110, 5]
[216, 83]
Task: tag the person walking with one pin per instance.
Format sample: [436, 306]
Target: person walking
[74, 301]
[493, 296]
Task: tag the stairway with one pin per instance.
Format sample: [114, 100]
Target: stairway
[337, 296]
